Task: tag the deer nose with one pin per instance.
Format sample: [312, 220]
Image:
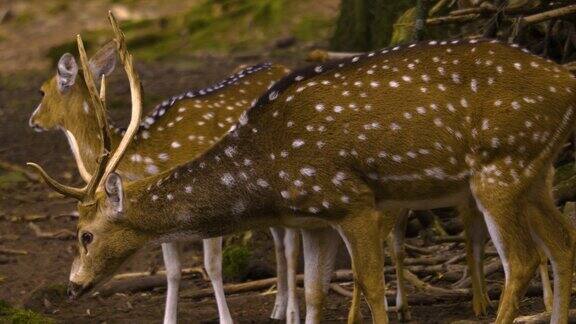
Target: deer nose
[74, 290]
[34, 126]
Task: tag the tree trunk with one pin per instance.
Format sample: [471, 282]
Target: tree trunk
[364, 25]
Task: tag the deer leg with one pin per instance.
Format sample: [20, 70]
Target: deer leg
[556, 236]
[363, 234]
[281, 302]
[476, 235]
[505, 217]
[213, 265]
[396, 244]
[547, 293]
[173, 275]
[292, 246]
[320, 247]
[355, 313]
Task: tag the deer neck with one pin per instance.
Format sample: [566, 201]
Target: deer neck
[83, 137]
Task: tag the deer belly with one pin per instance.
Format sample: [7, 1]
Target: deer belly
[442, 196]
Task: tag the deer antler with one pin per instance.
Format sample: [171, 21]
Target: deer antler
[135, 97]
[99, 103]
[106, 165]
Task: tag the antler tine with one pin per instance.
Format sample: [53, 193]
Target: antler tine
[136, 97]
[77, 193]
[98, 101]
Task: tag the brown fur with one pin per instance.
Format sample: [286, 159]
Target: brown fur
[189, 126]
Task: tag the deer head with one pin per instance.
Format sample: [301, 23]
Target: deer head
[65, 93]
[101, 202]
[104, 239]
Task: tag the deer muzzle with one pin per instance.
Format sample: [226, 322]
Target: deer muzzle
[75, 290]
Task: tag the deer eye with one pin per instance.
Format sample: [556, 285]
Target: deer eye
[41, 93]
[86, 238]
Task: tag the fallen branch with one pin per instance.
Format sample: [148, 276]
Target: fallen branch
[418, 250]
[424, 286]
[429, 260]
[452, 19]
[543, 318]
[9, 237]
[143, 281]
[7, 251]
[319, 55]
[132, 285]
[337, 276]
[448, 239]
[62, 234]
[186, 271]
[490, 268]
[487, 8]
[547, 15]
[341, 290]
[137, 282]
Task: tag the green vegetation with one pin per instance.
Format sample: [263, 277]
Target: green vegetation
[564, 172]
[365, 25]
[235, 261]
[12, 315]
[11, 179]
[214, 25]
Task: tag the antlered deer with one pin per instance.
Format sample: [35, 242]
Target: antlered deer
[420, 126]
[178, 129]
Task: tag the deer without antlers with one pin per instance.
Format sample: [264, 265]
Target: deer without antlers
[420, 126]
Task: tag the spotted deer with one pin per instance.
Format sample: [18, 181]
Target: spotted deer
[419, 126]
[66, 106]
[173, 133]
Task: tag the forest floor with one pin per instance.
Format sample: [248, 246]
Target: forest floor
[35, 277]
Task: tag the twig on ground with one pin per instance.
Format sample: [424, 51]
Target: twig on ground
[449, 239]
[341, 290]
[547, 15]
[62, 234]
[421, 285]
[319, 55]
[491, 267]
[418, 250]
[456, 258]
[135, 283]
[7, 251]
[543, 318]
[129, 275]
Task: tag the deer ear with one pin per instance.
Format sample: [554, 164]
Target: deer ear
[104, 61]
[66, 72]
[114, 194]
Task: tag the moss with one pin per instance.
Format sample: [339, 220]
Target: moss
[23, 18]
[403, 29]
[57, 7]
[12, 315]
[222, 26]
[11, 179]
[311, 28]
[235, 261]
